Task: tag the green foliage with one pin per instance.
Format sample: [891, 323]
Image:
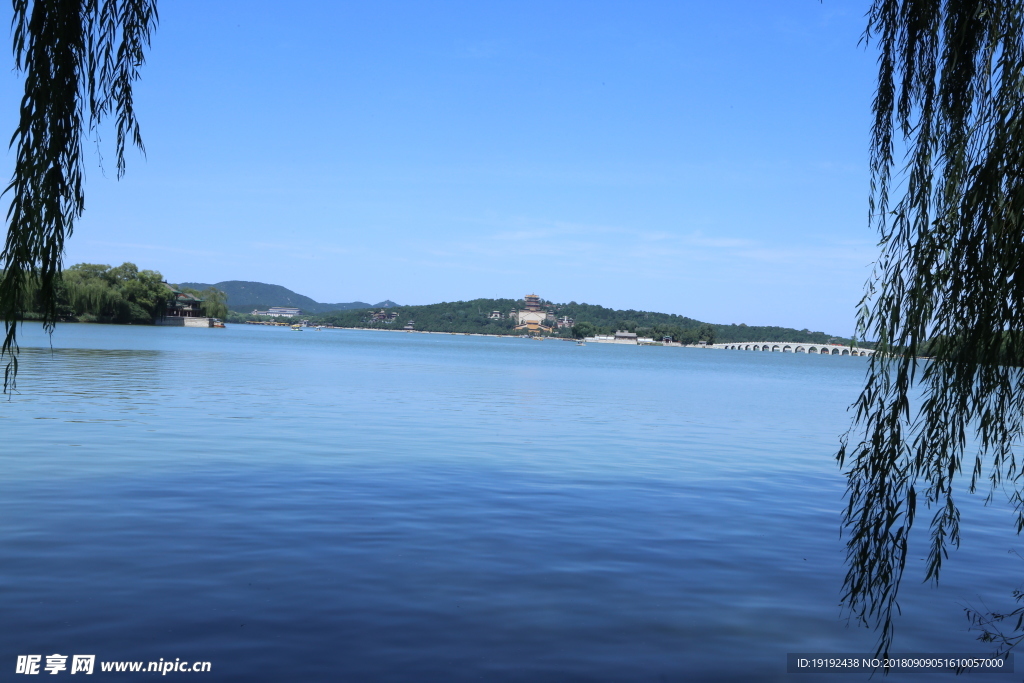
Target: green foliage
[235, 317]
[458, 316]
[214, 301]
[80, 58]
[473, 317]
[950, 106]
[582, 329]
[118, 295]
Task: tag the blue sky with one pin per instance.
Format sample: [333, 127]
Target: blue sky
[706, 159]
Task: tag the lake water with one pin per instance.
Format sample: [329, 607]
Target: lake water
[355, 505]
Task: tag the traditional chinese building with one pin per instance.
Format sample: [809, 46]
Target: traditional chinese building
[532, 317]
[625, 337]
[183, 310]
[182, 305]
[385, 316]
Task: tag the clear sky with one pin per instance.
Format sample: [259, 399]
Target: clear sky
[705, 159]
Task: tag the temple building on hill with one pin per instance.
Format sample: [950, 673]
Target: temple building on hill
[384, 316]
[532, 317]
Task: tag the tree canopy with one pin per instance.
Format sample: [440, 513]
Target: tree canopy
[120, 295]
[90, 292]
[949, 102]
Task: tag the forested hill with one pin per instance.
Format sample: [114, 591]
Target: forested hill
[473, 316]
[247, 296]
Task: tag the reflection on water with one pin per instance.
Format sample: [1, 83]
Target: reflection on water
[372, 506]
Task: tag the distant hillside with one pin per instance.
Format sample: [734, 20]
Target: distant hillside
[245, 297]
[475, 316]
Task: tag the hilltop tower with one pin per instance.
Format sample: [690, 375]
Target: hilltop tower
[532, 317]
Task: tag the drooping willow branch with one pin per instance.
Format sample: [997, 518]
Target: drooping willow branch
[950, 99]
[80, 59]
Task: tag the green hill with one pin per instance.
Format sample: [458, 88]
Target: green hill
[245, 297]
[474, 317]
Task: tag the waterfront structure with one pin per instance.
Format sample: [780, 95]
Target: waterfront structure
[796, 347]
[279, 311]
[182, 304]
[622, 337]
[182, 310]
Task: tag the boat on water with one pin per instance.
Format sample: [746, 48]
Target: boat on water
[218, 323]
[581, 343]
[296, 328]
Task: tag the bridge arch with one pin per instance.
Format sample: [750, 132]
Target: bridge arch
[796, 347]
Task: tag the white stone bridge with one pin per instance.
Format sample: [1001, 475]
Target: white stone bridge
[796, 347]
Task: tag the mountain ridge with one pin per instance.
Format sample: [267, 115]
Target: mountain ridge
[245, 296]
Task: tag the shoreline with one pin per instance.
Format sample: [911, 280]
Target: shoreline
[504, 336]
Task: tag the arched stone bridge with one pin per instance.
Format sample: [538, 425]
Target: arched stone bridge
[796, 347]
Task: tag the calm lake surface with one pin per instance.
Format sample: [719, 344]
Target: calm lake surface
[354, 505]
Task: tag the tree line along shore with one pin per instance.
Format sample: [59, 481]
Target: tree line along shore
[90, 292]
[582, 320]
[127, 295]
